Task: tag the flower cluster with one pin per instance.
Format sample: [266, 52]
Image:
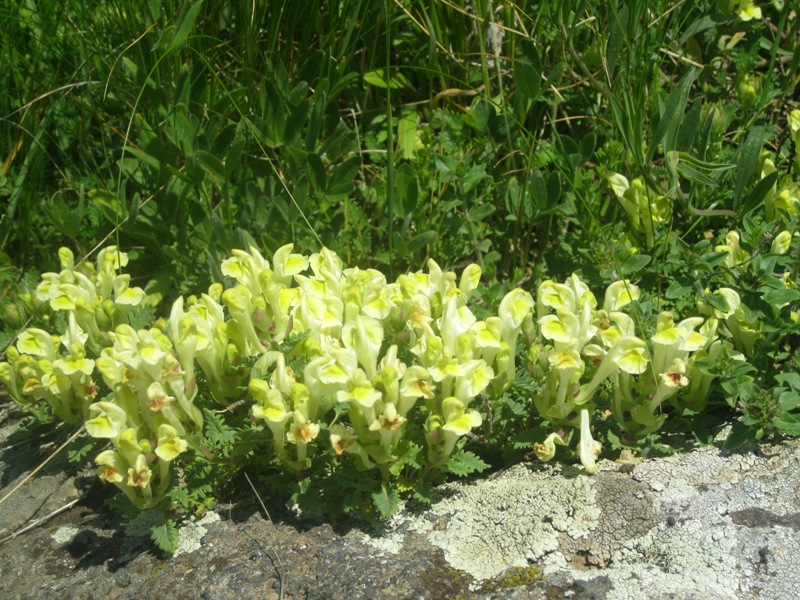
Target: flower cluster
[582, 346]
[647, 211]
[340, 361]
[368, 360]
[374, 347]
[51, 368]
[55, 368]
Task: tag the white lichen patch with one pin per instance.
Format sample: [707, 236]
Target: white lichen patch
[688, 561]
[513, 519]
[62, 535]
[190, 536]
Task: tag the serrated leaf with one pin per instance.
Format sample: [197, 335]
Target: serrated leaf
[165, 536]
[464, 463]
[423, 492]
[387, 501]
[523, 439]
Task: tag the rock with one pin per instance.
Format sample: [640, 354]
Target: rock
[708, 524]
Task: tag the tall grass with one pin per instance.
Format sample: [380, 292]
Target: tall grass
[390, 130]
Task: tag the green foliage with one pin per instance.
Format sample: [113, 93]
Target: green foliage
[165, 536]
[465, 463]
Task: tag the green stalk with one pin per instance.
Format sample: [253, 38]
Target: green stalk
[389, 132]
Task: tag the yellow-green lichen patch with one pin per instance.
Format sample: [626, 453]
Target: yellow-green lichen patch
[512, 578]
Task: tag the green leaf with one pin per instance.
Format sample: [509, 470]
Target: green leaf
[538, 190]
[788, 424]
[445, 164]
[473, 177]
[739, 435]
[423, 492]
[777, 297]
[341, 180]
[790, 379]
[387, 501]
[480, 212]
[165, 536]
[756, 197]
[406, 190]
[316, 171]
[528, 80]
[669, 123]
[635, 263]
[463, 463]
[677, 290]
[748, 155]
[379, 78]
[616, 35]
[718, 301]
[423, 239]
[185, 27]
[407, 134]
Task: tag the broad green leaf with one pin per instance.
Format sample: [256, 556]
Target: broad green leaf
[316, 171]
[539, 191]
[480, 212]
[406, 190]
[554, 189]
[635, 263]
[297, 119]
[677, 290]
[789, 424]
[790, 379]
[718, 301]
[407, 134]
[379, 78]
[785, 296]
[588, 144]
[472, 177]
[527, 80]
[341, 180]
[445, 164]
[689, 128]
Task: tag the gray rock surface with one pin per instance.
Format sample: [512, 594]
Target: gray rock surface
[707, 524]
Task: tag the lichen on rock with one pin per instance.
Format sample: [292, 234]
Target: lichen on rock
[512, 520]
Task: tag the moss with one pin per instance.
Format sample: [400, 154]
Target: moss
[514, 577]
[444, 581]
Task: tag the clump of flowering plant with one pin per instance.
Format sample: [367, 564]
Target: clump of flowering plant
[583, 348]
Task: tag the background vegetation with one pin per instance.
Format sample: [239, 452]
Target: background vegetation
[398, 130]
